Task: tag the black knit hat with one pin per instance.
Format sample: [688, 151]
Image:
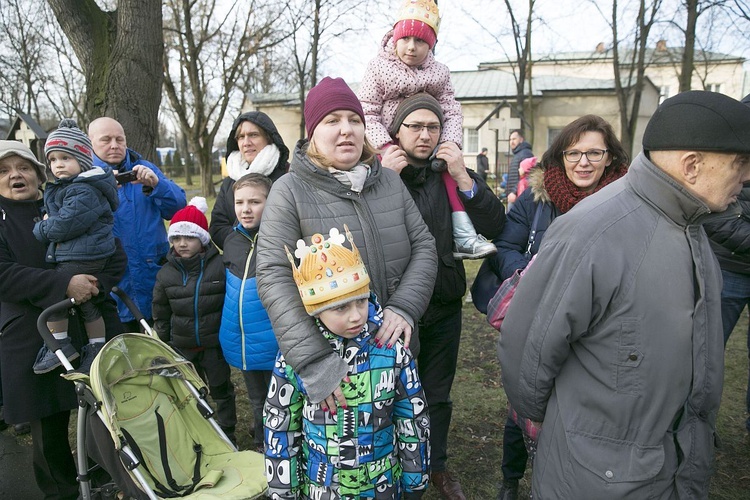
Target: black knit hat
[422, 100]
[699, 121]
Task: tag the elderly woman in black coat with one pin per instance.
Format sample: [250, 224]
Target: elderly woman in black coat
[29, 285]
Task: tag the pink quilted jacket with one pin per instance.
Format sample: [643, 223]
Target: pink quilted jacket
[388, 81]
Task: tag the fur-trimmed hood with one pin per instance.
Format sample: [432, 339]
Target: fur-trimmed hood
[536, 184]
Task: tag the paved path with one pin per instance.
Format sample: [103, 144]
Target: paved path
[16, 475]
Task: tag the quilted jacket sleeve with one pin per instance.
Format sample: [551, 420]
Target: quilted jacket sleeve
[282, 419]
[306, 351]
[412, 423]
[453, 126]
[79, 210]
[371, 94]
[161, 309]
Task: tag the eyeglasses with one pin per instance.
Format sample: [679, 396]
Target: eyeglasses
[418, 127]
[592, 155]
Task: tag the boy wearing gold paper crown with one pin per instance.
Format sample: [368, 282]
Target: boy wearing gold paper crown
[405, 66]
[377, 446]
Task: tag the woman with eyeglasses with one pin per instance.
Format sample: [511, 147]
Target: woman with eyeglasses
[335, 178]
[585, 157]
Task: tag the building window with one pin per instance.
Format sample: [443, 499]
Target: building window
[713, 87]
[471, 141]
[552, 134]
[663, 93]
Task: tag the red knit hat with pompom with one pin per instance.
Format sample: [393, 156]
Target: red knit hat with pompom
[191, 221]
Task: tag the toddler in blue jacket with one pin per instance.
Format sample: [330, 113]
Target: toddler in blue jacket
[246, 335]
[78, 228]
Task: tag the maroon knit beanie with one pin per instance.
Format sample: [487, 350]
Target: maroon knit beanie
[413, 27]
[330, 95]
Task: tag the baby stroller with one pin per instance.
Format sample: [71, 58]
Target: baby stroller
[145, 408]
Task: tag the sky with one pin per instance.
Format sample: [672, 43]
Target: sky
[464, 42]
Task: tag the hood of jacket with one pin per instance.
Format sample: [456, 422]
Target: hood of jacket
[264, 122]
[100, 177]
[536, 184]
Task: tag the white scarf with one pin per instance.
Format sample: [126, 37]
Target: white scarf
[264, 163]
[354, 178]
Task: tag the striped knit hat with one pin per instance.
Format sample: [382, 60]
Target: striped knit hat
[70, 139]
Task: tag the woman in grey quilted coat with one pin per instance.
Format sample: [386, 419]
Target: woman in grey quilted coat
[335, 178]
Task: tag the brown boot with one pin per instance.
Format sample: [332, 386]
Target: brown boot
[447, 485]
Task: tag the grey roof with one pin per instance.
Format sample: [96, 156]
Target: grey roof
[477, 85]
[493, 84]
[670, 55]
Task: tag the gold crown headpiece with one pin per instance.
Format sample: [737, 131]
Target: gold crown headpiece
[420, 10]
[329, 274]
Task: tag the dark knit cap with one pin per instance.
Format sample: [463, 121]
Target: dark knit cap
[330, 95]
[70, 139]
[422, 100]
[699, 121]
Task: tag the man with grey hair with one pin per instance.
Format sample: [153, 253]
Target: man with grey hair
[621, 358]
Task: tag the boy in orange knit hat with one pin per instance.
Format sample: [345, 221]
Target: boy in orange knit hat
[375, 447]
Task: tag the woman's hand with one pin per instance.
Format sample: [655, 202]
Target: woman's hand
[394, 325]
[329, 403]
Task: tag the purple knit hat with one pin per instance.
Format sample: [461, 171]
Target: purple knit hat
[329, 95]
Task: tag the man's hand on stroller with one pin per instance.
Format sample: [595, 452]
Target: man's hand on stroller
[82, 287]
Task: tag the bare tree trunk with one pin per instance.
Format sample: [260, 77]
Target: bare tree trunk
[121, 53]
[688, 54]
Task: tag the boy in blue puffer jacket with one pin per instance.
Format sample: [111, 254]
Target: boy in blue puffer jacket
[187, 302]
[78, 229]
[246, 334]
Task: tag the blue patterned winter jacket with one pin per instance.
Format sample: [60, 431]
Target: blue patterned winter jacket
[246, 335]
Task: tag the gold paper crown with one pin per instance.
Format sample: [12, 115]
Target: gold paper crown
[420, 10]
[329, 274]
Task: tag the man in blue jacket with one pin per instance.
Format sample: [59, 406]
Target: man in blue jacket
[144, 203]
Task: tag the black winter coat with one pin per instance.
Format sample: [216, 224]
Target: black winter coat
[487, 214]
[188, 299]
[512, 243]
[29, 284]
[223, 217]
[729, 235]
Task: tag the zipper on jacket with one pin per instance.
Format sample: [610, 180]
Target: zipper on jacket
[242, 299]
[195, 303]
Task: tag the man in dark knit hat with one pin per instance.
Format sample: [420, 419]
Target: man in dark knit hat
[440, 327]
[621, 358]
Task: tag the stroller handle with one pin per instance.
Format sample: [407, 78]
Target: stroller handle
[135, 311]
[41, 323]
[125, 298]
